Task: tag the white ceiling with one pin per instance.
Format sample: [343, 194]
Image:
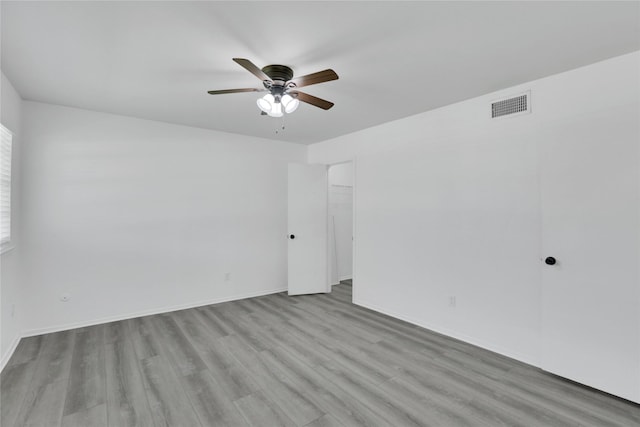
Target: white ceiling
[156, 60]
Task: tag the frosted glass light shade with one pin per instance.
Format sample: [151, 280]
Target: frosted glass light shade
[289, 103]
[266, 103]
[276, 110]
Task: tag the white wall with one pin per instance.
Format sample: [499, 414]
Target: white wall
[12, 307]
[341, 174]
[128, 216]
[448, 204]
[341, 221]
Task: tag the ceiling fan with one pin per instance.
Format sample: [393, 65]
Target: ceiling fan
[283, 96]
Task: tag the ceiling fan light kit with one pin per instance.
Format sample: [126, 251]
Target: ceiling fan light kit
[289, 103]
[283, 96]
[275, 106]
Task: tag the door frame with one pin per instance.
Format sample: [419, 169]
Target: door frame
[353, 232]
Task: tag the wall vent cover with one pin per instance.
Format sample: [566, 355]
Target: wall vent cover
[519, 104]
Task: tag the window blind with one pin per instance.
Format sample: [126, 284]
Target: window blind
[5, 185]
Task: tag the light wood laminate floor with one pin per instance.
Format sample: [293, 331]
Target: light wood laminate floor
[314, 360]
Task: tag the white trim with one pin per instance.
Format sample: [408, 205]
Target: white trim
[326, 218]
[354, 228]
[353, 219]
[453, 334]
[7, 355]
[65, 327]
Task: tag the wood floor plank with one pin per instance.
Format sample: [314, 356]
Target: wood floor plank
[95, 416]
[368, 393]
[339, 349]
[403, 337]
[127, 404]
[242, 329]
[211, 401]
[280, 389]
[178, 349]
[280, 312]
[446, 411]
[584, 406]
[354, 361]
[284, 296]
[321, 391]
[229, 373]
[43, 405]
[438, 378]
[222, 366]
[115, 332]
[251, 332]
[196, 327]
[27, 350]
[15, 382]
[208, 313]
[319, 315]
[487, 404]
[54, 362]
[259, 411]
[141, 333]
[86, 387]
[296, 341]
[440, 410]
[310, 360]
[244, 305]
[325, 421]
[169, 404]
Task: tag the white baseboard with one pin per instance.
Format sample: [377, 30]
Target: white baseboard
[454, 334]
[7, 355]
[82, 324]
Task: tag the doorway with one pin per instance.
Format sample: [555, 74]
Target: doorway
[341, 225]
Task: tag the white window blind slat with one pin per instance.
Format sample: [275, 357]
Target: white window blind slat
[6, 138]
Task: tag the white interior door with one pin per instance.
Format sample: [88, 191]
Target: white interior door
[307, 224]
[590, 221]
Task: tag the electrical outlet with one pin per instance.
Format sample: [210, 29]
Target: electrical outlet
[65, 297]
[452, 301]
[227, 277]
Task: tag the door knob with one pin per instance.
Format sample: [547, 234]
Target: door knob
[550, 260]
[292, 236]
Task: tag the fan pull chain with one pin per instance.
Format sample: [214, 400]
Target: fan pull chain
[283, 128]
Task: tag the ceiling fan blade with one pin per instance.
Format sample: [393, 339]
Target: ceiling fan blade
[315, 78]
[221, 92]
[252, 68]
[310, 99]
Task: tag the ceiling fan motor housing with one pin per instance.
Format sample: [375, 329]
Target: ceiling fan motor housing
[278, 73]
